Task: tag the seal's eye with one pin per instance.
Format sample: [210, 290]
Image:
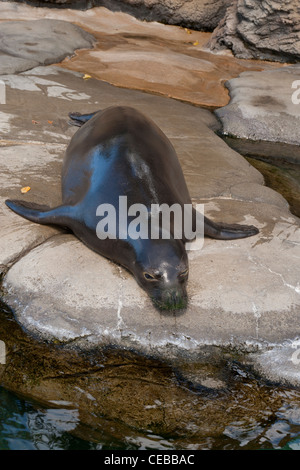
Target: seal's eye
[149, 277]
[184, 273]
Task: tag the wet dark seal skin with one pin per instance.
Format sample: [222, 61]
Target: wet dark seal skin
[117, 152]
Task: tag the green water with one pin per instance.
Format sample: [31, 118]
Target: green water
[26, 425]
[29, 425]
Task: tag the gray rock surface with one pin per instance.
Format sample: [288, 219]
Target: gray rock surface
[240, 293]
[27, 44]
[267, 30]
[264, 106]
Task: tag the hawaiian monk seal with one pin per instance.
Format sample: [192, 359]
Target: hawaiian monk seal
[119, 151]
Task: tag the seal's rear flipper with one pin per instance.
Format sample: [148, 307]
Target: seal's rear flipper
[224, 231]
[41, 214]
[80, 119]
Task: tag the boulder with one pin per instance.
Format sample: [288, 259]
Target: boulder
[267, 30]
[27, 44]
[264, 106]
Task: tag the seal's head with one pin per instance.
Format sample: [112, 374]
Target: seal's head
[161, 268]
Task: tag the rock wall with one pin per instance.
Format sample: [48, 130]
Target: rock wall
[197, 14]
[260, 29]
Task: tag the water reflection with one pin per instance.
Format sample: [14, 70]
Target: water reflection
[24, 426]
[27, 425]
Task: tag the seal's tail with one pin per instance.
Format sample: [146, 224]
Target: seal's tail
[78, 119]
[40, 214]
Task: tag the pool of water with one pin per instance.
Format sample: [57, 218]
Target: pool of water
[27, 425]
[250, 415]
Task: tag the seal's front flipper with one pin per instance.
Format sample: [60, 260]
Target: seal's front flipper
[80, 119]
[224, 231]
[60, 215]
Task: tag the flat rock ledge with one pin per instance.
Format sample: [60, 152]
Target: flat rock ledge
[264, 106]
[27, 44]
[243, 294]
